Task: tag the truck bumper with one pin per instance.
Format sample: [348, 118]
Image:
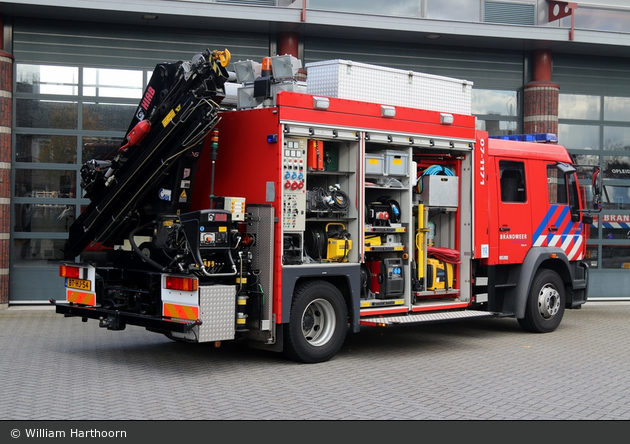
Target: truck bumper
[117, 320]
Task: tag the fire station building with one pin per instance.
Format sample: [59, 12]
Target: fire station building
[73, 71]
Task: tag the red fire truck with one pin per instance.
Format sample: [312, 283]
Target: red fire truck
[299, 217]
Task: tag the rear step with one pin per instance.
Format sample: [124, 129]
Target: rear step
[377, 321]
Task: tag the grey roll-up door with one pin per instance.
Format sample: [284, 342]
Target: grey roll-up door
[120, 46]
[486, 68]
[579, 74]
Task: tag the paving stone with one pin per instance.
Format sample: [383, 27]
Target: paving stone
[61, 368]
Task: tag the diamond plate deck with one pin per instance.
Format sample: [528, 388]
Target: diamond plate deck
[425, 317]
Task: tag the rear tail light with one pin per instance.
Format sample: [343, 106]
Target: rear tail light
[68, 271]
[181, 283]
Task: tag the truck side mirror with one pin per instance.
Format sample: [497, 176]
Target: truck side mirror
[597, 201]
[575, 216]
[587, 219]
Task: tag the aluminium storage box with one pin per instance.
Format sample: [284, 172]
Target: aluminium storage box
[388, 86]
[440, 191]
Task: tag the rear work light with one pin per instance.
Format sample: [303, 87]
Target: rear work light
[180, 283]
[68, 271]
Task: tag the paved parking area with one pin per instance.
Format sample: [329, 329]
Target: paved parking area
[55, 368]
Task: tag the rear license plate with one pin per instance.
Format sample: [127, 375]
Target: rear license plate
[79, 284]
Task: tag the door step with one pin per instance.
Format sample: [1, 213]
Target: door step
[384, 321]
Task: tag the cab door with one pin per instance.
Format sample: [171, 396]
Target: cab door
[514, 222]
[556, 222]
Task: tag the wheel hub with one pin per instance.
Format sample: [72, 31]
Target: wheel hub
[318, 322]
[548, 301]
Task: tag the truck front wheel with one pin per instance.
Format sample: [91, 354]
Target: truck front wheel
[317, 324]
[545, 303]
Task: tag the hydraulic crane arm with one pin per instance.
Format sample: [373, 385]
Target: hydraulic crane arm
[156, 161]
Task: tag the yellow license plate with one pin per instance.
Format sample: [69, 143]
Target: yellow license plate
[80, 284]
[625, 265]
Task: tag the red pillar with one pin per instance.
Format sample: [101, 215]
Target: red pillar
[289, 43]
[540, 97]
[6, 109]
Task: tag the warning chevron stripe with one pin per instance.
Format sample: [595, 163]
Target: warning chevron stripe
[180, 311]
[81, 297]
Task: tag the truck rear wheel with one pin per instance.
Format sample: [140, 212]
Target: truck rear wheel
[317, 324]
[545, 303]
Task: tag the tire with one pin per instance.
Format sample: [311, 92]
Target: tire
[317, 324]
[545, 303]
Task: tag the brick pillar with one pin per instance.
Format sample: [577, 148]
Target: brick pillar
[6, 108]
[540, 98]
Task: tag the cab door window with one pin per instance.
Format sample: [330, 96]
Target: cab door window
[556, 186]
[512, 181]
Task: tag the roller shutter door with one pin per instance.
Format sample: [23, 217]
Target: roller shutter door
[578, 74]
[487, 69]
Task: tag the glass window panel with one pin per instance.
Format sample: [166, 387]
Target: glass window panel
[578, 137]
[494, 102]
[615, 226]
[37, 252]
[384, 7]
[497, 127]
[45, 217]
[466, 10]
[617, 108]
[591, 231]
[616, 138]
[45, 148]
[46, 114]
[616, 256]
[616, 197]
[578, 106]
[107, 116]
[585, 175]
[45, 183]
[617, 167]
[101, 148]
[112, 83]
[599, 19]
[43, 79]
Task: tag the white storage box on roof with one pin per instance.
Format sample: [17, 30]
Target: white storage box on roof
[388, 86]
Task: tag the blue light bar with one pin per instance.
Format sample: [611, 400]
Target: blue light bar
[540, 137]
